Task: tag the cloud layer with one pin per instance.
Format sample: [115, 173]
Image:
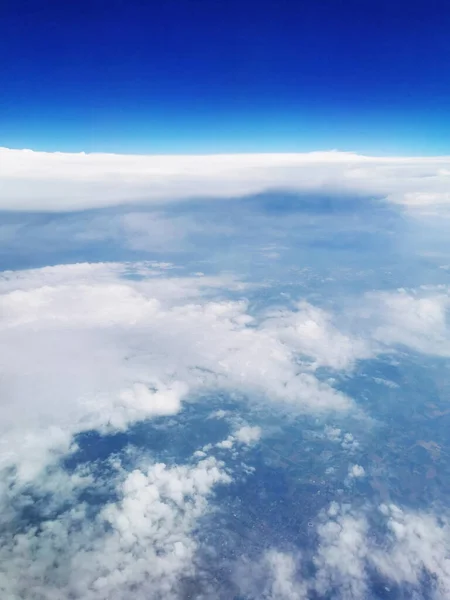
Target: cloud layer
[141, 545]
[405, 551]
[95, 354]
[61, 182]
[103, 346]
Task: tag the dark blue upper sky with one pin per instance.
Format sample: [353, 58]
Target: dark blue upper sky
[225, 75]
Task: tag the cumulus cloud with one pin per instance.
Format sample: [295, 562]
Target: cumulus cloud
[353, 545]
[103, 346]
[346, 440]
[311, 332]
[142, 545]
[245, 436]
[356, 471]
[419, 542]
[248, 435]
[334, 434]
[340, 560]
[417, 318]
[39, 180]
[95, 347]
[284, 581]
[276, 576]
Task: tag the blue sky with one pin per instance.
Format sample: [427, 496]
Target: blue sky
[189, 76]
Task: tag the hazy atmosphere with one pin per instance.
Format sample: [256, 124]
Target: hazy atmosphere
[224, 301]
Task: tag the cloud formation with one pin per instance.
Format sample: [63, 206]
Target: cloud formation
[417, 318]
[356, 471]
[58, 181]
[276, 576]
[102, 346]
[414, 544]
[407, 551]
[312, 333]
[93, 351]
[142, 545]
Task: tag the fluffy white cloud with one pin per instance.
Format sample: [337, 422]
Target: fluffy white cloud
[39, 180]
[275, 576]
[351, 547]
[413, 544]
[415, 318]
[311, 332]
[419, 542]
[245, 435]
[248, 435]
[356, 471]
[141, 545]
[284, 583]
[340, 560]
[346, 440]
[96, 347]
[105, 345]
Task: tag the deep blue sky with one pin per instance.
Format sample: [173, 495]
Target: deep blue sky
[229, 75]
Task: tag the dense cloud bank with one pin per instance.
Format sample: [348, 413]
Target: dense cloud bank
[60, 181]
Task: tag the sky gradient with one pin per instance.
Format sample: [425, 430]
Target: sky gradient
[189, 76]
[224, 300]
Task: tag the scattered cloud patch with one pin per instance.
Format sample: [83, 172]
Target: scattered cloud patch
[408, 552]
[245, 436]
[414, 544]
[276, 576]
[416, 318]
[248, 435]
[95, 347]
[334, 434]
[346, 440]
[356, 471]
[143, 544]
[311, 332]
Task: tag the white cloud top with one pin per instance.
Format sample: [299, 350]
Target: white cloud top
[312, 333]
[59, 182]
[245, 436]
[356, 471]
[87, 347]
[349, 551]
[140, 546]
[417, 318]
[90, 347]
[415, 543]
[100, 347]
